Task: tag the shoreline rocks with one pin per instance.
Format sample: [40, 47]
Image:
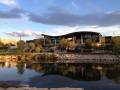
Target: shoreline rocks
[77, 58]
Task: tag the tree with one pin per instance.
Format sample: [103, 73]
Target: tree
[38, 45]
[37, 49]
[115, 44]
[102, 45]
[48, 41]
[63, 44]
[39, 41]
[3, 46]
[31, 46]
[9, 45]
[21, 44]
[88, 44]
[20, 68]
[93, 40]
[71, 45]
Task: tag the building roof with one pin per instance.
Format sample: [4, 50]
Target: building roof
[73, 33]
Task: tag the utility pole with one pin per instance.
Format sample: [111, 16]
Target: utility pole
[20, 41]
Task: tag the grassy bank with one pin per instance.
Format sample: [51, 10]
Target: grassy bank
[9, 52]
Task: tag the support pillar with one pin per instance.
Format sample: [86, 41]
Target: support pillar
[81, 39]
[73, 39]
[101, 73]
[44, 40]
[99, 38]
[55, 41]
[82, 71]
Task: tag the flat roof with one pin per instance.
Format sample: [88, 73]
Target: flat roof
[71, 34]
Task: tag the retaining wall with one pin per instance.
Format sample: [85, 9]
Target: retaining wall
[77, 58]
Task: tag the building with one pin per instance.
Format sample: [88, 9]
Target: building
[77, 37]
[10, 41]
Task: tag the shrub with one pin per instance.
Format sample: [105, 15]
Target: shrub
[38, 45]
[87, 51]
[31, 46]
[26, 50]
[88, 44]
[37, 49]
[51, 45]
[21, 44]
[35, 57]
[51, 50]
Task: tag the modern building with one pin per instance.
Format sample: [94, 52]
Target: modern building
[77, 37]
[10, 41]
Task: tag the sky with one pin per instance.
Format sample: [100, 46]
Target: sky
[31, 18]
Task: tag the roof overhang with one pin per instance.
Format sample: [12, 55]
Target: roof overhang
[71, 34]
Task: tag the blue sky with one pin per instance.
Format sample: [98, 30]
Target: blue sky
[30, 18]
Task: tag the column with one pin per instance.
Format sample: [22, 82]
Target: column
[99, 38]
[44, 40]
[81, 39]
[82, 71]
[55, 41]
[101, 73]
[73, 39]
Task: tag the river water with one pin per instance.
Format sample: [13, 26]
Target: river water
[74, 75]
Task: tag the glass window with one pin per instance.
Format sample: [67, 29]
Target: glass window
[86, 37]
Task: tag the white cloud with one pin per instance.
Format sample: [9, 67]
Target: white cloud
[73, 3]
[4, 23]
[25, 33]
[103, 30]
[9, 2]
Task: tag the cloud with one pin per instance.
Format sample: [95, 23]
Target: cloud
[25, 33]
[9, 2]
[91, 8]
[4, 23]
[18, 10]
[73, 3]
[62, 17]
[105, 30]
[11, 14]
[54, 8]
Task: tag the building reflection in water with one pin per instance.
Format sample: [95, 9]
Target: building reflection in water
[81, 71]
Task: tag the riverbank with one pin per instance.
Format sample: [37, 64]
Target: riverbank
[63, 58]
[77, 58]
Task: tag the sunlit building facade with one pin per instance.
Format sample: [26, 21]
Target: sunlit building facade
[76, 37]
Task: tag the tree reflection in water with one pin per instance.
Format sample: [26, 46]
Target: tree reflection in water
[84, 72]
[20, 68]
[2, 64]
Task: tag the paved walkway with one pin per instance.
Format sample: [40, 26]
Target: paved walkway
[32, 88]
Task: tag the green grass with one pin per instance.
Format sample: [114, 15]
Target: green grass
[10, 52]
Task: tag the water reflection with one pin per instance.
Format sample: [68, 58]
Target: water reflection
[84, 72]
[49, 73]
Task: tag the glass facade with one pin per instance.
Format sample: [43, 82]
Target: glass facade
[53, 39]
[77, 37]
[86, 37]
[97, 37]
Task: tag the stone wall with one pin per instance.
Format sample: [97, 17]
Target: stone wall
[78, 58]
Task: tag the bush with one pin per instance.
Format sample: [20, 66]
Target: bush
[31, 46]
[51, 50]
[51, 45]
[35, 57]
[38, 45]
[37, 49]
[26, 50]
[63, 48]
[77, 48]
[89, 51]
